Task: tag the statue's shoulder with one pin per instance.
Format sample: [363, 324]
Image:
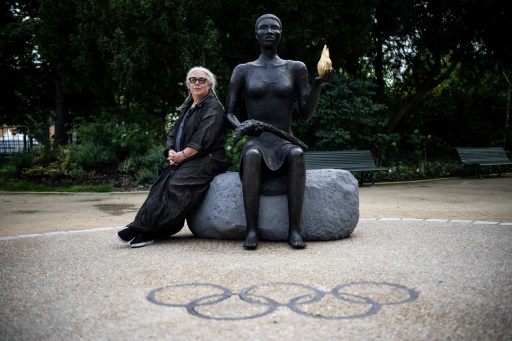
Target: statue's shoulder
[297, 68]
[244, 66]
[242, 69]
[296, 64]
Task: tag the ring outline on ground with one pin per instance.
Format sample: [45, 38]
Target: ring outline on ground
[292, 304]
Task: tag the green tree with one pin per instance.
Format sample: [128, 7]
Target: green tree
[24, 86]
[145, 48]
[432, 38]
[125, 60]
[346, 118]
[55, 24]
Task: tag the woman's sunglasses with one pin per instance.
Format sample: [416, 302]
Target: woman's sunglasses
[200, 80]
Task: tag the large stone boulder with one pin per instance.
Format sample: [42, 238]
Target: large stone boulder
[330, 212]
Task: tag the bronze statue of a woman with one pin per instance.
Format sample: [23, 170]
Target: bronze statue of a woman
[270, 164]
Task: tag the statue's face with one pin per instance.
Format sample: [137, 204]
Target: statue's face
[268, 32]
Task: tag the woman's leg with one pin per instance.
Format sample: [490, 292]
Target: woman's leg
[127, 234]
[148, 238]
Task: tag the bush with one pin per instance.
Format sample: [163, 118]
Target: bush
[233, 151]
[22, 160]
[91, 156]
[346, 117]
[408, 171]
[147, 167]
[146, 175]
[109, 144]
[154, 159]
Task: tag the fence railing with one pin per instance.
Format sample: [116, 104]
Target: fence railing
[14, 139]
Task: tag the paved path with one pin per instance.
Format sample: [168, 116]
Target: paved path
[426, 275]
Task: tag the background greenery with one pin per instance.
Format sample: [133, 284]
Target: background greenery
[414, 78]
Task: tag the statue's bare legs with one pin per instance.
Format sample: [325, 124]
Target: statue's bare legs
[296, 188]
[251, 188]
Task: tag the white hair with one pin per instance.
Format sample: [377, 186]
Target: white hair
[211, 79]
[209, 75]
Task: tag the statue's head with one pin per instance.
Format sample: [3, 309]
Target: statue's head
[267, 16]
[268, 30]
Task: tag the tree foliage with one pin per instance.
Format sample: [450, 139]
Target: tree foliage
[346, 118]
[432, 40]
[437, 66]
[25, 97]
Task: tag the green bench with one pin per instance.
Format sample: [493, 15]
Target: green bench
[349, 160]
[476, 157]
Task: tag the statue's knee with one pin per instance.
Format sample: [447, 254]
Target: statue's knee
[296, 154]
[252, 155]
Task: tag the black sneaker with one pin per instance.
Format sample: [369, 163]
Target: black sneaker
[142, 240]
[127, 234]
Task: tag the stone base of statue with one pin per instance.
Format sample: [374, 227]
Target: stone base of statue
[330, 212]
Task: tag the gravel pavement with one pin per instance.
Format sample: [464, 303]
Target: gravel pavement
[428, 261]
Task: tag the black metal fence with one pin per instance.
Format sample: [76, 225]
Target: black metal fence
[15, 139]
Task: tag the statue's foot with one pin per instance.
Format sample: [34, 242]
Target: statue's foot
[251, 241]
[250, 245]
[295, 240]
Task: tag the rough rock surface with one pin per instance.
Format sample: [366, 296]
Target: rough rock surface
[330, 212]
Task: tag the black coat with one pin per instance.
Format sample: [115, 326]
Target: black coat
[181, 188]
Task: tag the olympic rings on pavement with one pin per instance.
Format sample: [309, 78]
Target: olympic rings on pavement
[345, 301]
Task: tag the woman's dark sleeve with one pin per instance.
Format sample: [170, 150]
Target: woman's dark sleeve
[170, 140]
[211, 131]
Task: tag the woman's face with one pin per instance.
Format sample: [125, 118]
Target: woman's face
[198, 90]
[268, 32]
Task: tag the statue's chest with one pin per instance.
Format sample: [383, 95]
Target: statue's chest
[269, 82]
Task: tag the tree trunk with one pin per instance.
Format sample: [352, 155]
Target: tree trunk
[61, 116]
[379, 56]
[508, 129]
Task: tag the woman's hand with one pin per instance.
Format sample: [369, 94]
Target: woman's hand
[175, 158]
[172, 157]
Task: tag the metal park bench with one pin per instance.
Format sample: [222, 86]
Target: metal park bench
[349, 160]
[483, 156]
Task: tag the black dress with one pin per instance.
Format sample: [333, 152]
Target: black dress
[181, 188]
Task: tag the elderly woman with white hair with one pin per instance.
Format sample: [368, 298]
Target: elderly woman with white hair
[196, 154]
